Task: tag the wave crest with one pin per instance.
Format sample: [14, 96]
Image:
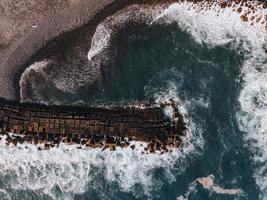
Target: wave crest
[213, 26]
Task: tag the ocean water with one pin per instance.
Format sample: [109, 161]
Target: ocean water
[213, 65]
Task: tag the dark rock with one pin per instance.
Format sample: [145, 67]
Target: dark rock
[132, 147]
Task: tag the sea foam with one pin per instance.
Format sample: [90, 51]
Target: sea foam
[72, 169]
[215, 26]
[69, 168]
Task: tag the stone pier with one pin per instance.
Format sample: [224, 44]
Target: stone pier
[92, 127]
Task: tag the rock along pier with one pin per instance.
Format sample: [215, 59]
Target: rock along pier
[91, 127]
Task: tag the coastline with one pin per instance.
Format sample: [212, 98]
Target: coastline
[84, 15]
[21, 50]
[222, 100]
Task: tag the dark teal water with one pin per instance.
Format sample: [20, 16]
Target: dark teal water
[208, 82]
[154, 61]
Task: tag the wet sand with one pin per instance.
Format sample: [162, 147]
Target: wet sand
[26, 26]
[24, 42]
[21, 36]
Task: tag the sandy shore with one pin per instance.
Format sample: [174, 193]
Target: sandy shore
[28, 25]
[21, 37]
[25, 41]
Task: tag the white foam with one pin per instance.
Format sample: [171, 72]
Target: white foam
[213, 27]
[170, 92]
[109, 27]
[47, 81]
[217, 27]
[38, 76]
[194, 139]
[254, 116]
[69, 168]
[4, 195]
[99, 41]
[72, 169]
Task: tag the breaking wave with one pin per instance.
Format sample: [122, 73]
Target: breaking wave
[52, 82]
[215, 26]
[108, 29]
[72, 169]
[245, 31]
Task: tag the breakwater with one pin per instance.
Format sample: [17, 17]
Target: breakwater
[92, 127]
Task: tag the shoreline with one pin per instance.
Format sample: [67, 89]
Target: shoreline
[35, 39]
[85, 15]
[65, 24]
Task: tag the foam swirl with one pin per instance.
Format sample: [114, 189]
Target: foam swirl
[214, 25]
